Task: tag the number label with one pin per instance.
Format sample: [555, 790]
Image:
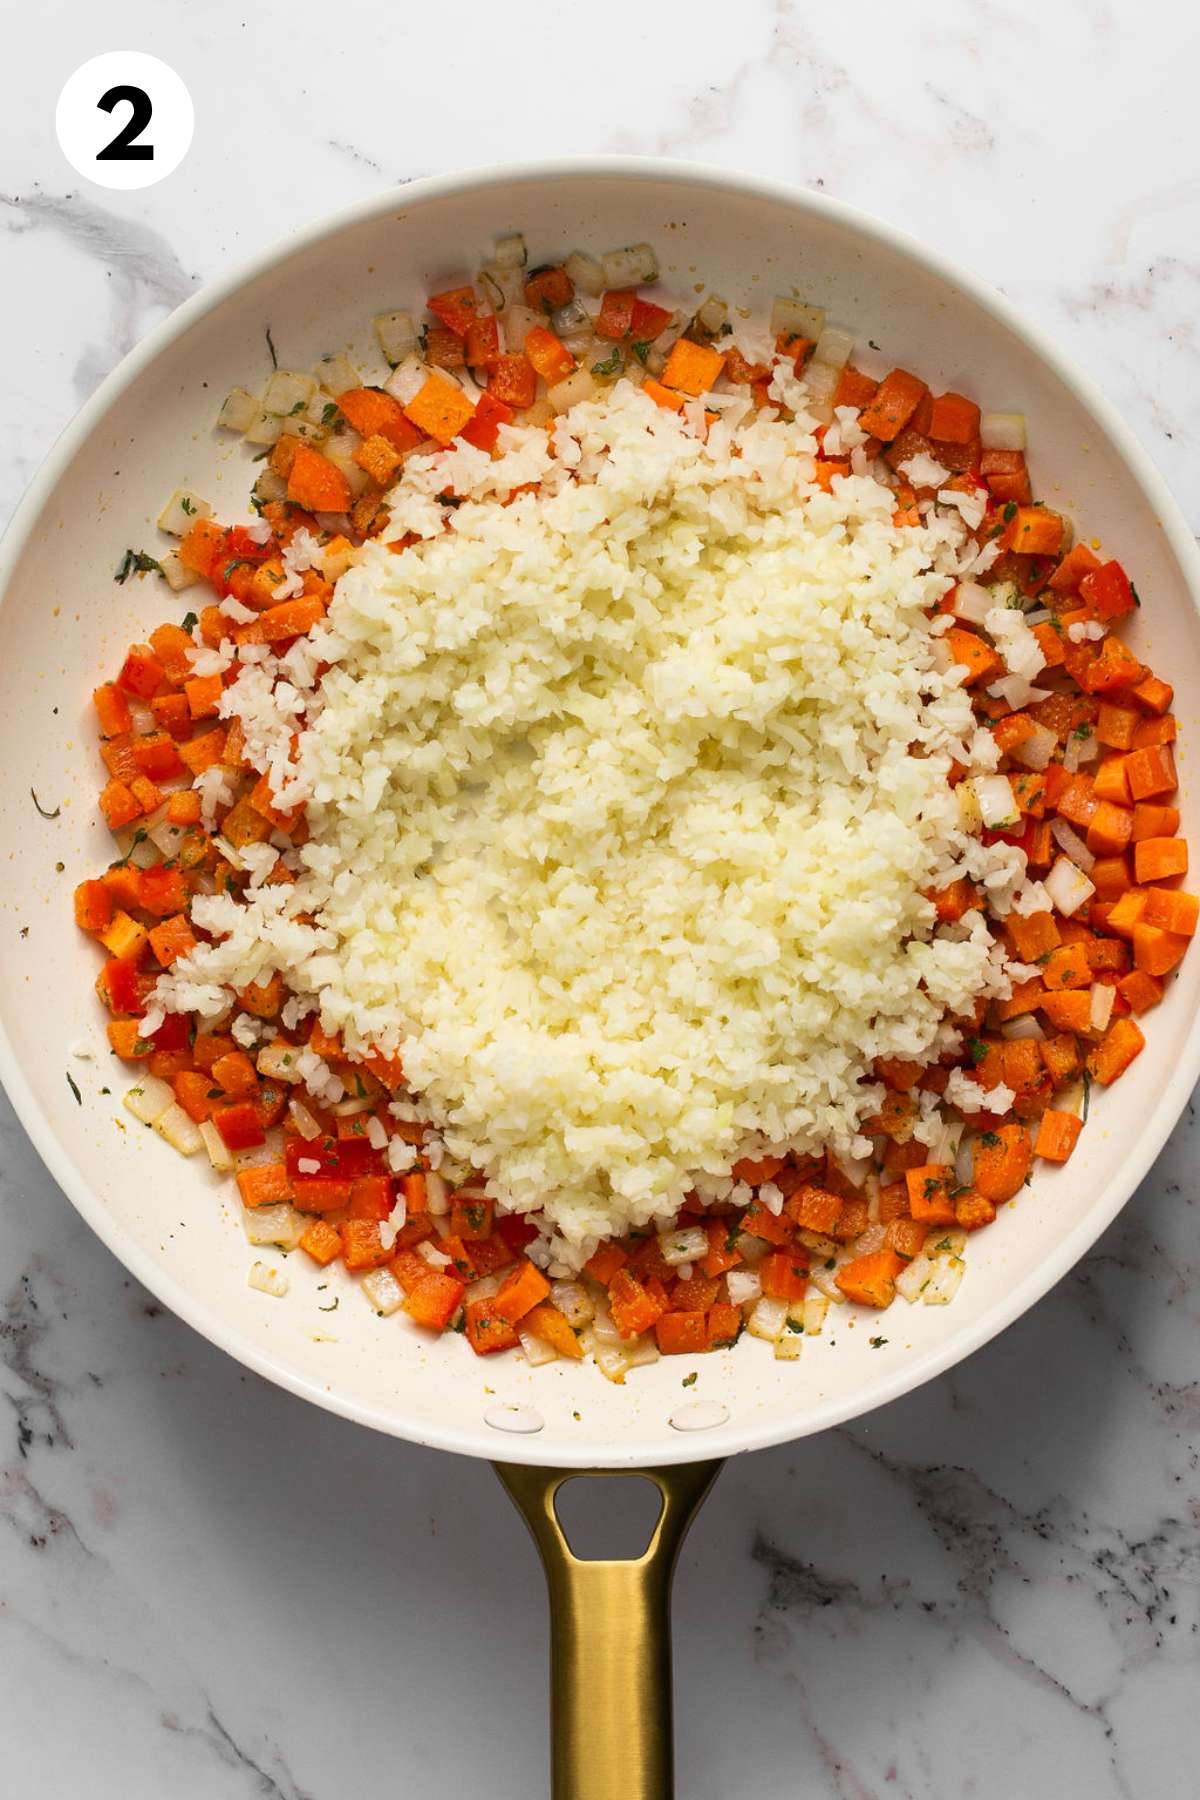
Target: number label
[125, 147]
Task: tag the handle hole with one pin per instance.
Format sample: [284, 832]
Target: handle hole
[609, 1518]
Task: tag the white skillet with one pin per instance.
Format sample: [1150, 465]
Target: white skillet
[63, 623]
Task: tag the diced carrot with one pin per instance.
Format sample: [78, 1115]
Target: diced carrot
[265, 1185]
[172, 939]
[434, 1300]
[1002, 1160]
[201, 546]
[444, 349]
[784, 1275]
[487, 1331]
[1110, 829]
[1140, 990]
[1115, 725]
[756, 1170]
[379, 459]
[604, 1262]
[692, 368]
[1111, 781]
[524, 1288]
[1155, 951]
[471, 1216]
[1032, 934]
[291, 618]
[853, 389]
[1154, 695]
[1034, 531]
[814, 1209]
[892, 405]
[871, 1279]
[263, 998]
[513, 380]
[1026, 997]
[759, 1221]
[201, 752]
[663, 396]
[1078, 562]
[126, 1041]
[1056, 1135]
[440, 408]
[681, 1333]
[1162, 730]
[315, 483]
[979, 659]
[112, 709]
[363, 1246]
[183, 807]
[1159, 858]
[1051, 644]
[973, 1211]
[954, 901]
[1115, 667]
[634, 1309]
[1116, 1050]
[1151, 819]
[119, 805]
[954, 419]
[1172, 910]
[929, 1188]
[374, 413]
[724, 1324]
[320, 1193]
[235, 1073]
[1067, 1010]
[93, 907]
[321, 1241]
[546, 1322]
[1060, 1057]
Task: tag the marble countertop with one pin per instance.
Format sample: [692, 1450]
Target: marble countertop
[991, 1588]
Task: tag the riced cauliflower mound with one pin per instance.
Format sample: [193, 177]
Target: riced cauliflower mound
[623, 799]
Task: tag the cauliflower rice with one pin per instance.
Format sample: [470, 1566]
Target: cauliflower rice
[624, 797]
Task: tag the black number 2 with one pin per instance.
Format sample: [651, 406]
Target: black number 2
[123, 148]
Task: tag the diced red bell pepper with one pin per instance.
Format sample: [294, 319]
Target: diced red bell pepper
[239, 1126]
[484, 429]
[456, 309]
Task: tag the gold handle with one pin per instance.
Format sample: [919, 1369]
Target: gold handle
[610, 1638]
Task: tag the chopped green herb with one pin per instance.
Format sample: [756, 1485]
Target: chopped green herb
[796, 1325]
[990, 1139]
[610, 364]
[641, 348]
[186, 505]
[690, 1380]
[877, 1343]
[1010, 511]
[42, 809]
[329, 412]
[271, 348]
[1137, 599]
[190, 622]
[74, 1089]
[1087, 1095]
[136, 562]
[1082, 732]
[978, 1050]
[333, 1307]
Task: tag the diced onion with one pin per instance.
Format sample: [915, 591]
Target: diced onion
[287, 390]
[585, 272]
[633, 266]
[612, 1362]
[1101, 1006]
[788, 1345]
[835, 346]
[994, 797]
[797, 319]
[1072, 845]
[508, 250]
[396, 335]
[268, 1280]
[179, 1130]
[181, 512]
[280, 1225]
[1024, 1027]
[303, 1120]
[437, 1199]
[1002, 431]
[219, 1154]
[577, 387]
[573, 1302]
[1035, 752]
[911, 1281]
[815, 1308]
[683, 1246]
[536, 1349]
[743, 1285]
[943, 1283]
[383, 1291]
[238, 411]
[277, 1061]
[149, 1099]
[519, 321]
[408, 378]
[641, 1351]
[768, 1319]
[970, 819]
[336, 373]
[972, 602]
[821, 379]
[712, 315]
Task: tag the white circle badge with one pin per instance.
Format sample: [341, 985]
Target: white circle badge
[124, 120]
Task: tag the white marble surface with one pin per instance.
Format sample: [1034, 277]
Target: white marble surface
[993, 1588]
